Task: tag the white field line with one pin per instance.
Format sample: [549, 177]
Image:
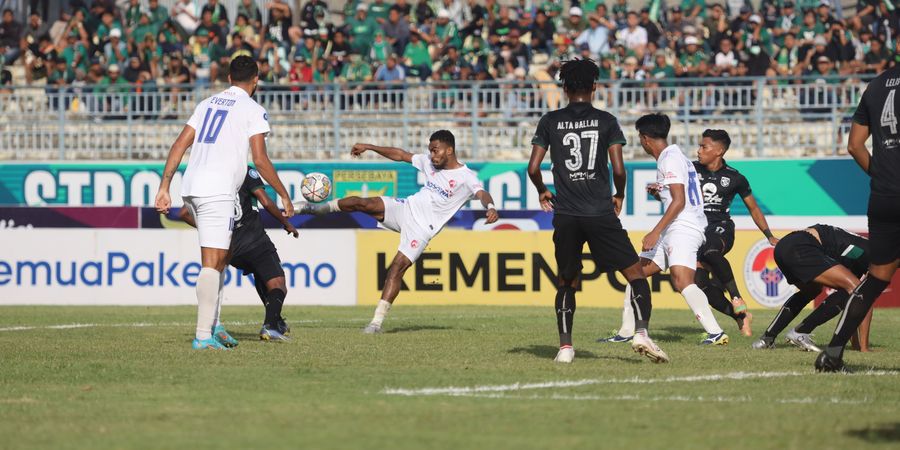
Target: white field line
[72, 326]
[673, 398]
[515, 387]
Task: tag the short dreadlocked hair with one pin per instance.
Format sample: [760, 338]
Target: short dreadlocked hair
[579, 75]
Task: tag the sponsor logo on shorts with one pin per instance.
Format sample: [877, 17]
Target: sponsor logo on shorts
[253, 174]
[764, 279]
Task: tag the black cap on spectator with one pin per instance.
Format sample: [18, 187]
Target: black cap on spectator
[788, 5]
[676, 9]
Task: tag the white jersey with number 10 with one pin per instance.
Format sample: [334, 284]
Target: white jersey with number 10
[223, 126]
[673, 167]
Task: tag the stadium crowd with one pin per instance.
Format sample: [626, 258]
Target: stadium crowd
[144, 45]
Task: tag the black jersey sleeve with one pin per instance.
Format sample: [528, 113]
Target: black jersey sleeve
[614, 134]
[743, 187]
[252, 181]
[861, 116]
[542, 134]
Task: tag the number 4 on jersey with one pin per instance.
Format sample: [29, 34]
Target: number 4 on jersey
[888, 117]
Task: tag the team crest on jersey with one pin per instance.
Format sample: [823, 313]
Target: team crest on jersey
[414, 244]
[725, 181]
[253, 173]
[452, 184]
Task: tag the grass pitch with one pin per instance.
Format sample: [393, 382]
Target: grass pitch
[127, 378]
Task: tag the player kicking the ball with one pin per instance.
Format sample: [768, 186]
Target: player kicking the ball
[222, 130]
[719, 184]
[254, 253]
[585, 210]
[449, 185]
[674, 241]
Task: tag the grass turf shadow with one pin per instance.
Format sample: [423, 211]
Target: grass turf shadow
[549, 352]
[888, 432]
[413, 328]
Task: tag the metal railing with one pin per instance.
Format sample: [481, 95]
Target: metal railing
[492, 120]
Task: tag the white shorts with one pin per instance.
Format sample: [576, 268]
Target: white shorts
[398, 217]
[677, 246]
[215, 217]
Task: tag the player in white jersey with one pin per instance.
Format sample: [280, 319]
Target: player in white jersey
[448, 186]
[674, 241]
[222, 131]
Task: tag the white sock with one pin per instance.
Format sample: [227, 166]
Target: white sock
[207, 294]
[333, 206]
[219, 300]
[627, 328]
[699, 304]
[380, 311]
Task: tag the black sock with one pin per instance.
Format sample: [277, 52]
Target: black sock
[721, 269]
[829, 309]
[789, 311]
[565, 313]
[859, 304]
[260, 288]
[274, 302]
[716, 297]
[640, 303]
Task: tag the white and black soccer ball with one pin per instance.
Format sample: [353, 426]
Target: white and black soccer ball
[316, 187]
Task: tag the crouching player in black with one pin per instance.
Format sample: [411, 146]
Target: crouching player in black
[821, 255]
[719, 183]
[579, 138]
[254, 253]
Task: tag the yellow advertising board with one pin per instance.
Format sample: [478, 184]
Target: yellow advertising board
[518, 268]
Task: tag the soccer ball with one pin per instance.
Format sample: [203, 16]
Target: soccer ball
[316, 187]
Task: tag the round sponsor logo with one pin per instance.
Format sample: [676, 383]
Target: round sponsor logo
[414, 244]
[253, 173]
[764, 279]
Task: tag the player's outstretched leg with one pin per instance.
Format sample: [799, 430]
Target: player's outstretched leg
[683, 279]
[373, 206]
[721, 270]
[207, 295]
[626, 330]
[565, 318]
[392, 283]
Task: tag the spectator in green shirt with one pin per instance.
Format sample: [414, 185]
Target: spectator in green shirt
[692, 62]
[75, 54]
[158, 14]
[107, 24]
[115, 51]
[144, 27]
[357, 70]
[446, 32]
[133, 13]
[757, 34]
[693, 9]
[417, 58]
[378, 11]
[620, 12]
[361, 29]
[323, 72]
[113, 83]
[809, 29]
[381, 49]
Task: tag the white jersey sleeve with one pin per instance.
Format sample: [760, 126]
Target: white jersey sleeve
[421, 162]
[672, 171]
[259, 122]
[197, 118]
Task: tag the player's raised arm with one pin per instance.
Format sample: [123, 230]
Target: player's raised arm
[267, 170]
[534, 174]
[759, 218]
[392, 153]
[270, 206]
[488, 202]
[176, 152]
[620, 177]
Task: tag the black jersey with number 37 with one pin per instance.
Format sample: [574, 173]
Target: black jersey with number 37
[578, 137]
[878, 110]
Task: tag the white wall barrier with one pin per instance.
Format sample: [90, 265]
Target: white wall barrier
[160, 267]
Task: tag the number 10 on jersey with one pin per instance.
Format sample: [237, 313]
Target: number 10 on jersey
[215, 126]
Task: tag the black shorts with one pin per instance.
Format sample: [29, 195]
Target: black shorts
[884, 229]
[719, 238]
[802, 258]
[263, 262]
[610, 247]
